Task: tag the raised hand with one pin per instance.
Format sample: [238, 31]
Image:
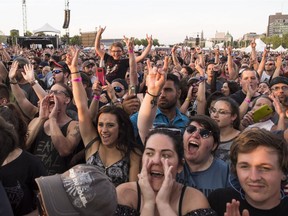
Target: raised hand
[156, 77]
[101, 30]
[149, 39]
[163, 196]
[13, 70]
[232, 209]
[129, 42]
[29, 73]
[144, 183]
[55, 110]
[72, 58]
[44, 107]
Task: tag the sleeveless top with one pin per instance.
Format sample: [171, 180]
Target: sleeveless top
[118, 172]
[126, 210]
[44, 149]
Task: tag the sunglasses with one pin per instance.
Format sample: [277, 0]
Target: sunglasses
[56, 71]
[118, 89]
[204, 133]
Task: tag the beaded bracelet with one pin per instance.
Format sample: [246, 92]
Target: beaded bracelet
[79, 79]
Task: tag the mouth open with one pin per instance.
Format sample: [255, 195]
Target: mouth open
[156, 174]
[193, 147]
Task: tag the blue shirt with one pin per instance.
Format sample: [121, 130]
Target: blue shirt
[216, 176]
[180, 121]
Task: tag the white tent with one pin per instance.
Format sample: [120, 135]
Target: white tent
[260, 46]
[46, 28]
[280, 49]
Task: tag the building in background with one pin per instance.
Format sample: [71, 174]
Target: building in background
[277, 24]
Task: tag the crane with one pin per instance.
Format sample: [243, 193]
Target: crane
[24, 17]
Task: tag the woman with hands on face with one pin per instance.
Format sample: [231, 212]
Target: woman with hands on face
[157, 192]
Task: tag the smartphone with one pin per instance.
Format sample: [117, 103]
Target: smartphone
[132, 90]
[100, 73]
[261, 113]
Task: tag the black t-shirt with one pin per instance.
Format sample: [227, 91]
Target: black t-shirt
[220, 197]
[115, 68]
[239, 97]
[18, 179]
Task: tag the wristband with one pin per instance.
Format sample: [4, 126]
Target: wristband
[78, 79]
[155, 96]
[13, 82]
[131, 51]
[75, 72]
[34, 82]
[247, 100]
[96, 97]
[187, 99]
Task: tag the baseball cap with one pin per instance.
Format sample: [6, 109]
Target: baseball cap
[277, 80]
[86, 63]
[82, 190]
[60, 64]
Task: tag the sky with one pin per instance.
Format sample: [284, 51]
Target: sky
[169, 21]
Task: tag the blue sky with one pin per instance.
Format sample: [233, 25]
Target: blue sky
[167, 20]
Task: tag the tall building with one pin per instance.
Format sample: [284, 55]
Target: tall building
[277, 24]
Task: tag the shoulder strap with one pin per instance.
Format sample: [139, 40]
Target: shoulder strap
[90, 143]
[181, 200]
[139, 197]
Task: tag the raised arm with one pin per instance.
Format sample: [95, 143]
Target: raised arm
[132, 62]
[29, 76]
[201, 98]
[232, 73]
[278, 67]
[174, 58]
[155, 81]
[147, 49]
[262, 63]
[98, 49]
[87, 129]
[25, 105]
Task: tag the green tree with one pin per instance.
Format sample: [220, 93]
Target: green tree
[76, 40]
[14, 34]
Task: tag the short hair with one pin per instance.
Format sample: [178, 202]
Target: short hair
[67, 88]
[175, 80]
[209, 124]
[249, 140]
[263, 96]
[212, 97]
[174, 134]
[249, 69]
[234, 110]
[117, 44]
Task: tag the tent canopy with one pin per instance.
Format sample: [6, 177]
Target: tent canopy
[280, 49]
[260, 46]
[46, 28]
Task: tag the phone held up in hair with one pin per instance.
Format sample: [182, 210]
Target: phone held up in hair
[261, 113]
[100, 73]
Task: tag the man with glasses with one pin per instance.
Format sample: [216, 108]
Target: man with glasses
[116, 65]
[279, 87]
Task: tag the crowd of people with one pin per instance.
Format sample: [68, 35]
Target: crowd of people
[143, 132]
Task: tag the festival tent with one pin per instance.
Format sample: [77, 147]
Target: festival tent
[46, 28]
[260, 46]
[280, 49]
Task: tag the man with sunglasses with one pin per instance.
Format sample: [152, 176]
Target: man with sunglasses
[201, 169]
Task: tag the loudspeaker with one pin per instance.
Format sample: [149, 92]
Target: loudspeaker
[66, 19]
